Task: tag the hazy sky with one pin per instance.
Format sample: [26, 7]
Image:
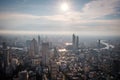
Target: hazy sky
[84, 17]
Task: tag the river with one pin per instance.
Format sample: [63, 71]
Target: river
[107, 45]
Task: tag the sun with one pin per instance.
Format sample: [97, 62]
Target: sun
[64, 7]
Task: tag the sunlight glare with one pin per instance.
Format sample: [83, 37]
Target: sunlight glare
[64, 7]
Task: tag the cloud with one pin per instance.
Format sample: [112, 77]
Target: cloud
[100, 8]
[60, 23]
[84, 22]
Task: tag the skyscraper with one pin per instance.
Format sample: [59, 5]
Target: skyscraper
[75, 43]
[4, 58]
[39, 46]
[45, 53]
[39, 42]
[6, 54]
[33, 48]
[56, 55]
[99, 44]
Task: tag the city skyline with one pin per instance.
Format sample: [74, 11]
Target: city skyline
[80, 60]
[84, 17]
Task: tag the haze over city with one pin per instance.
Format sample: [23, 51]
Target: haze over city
[59, 39]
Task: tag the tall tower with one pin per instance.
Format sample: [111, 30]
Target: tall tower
[5, 57]
[33, 48]
[99, 44]
[56, 55]
[73, 39]
[77, 42]
[39, 42]
[45, 53]
[74, 42]
[39, 46]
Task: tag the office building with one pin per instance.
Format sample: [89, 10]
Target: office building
[45, 53]
[75, 43]
[33, 48]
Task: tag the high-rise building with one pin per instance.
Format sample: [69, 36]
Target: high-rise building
[45, 53]
[39, 41]
[39, 46]
[55, 55]
[33, 48]
[1, 63]
[75, 43]
[73, 39]
[54, 69]
[99, 44]
[6, 54]
[4, 58]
